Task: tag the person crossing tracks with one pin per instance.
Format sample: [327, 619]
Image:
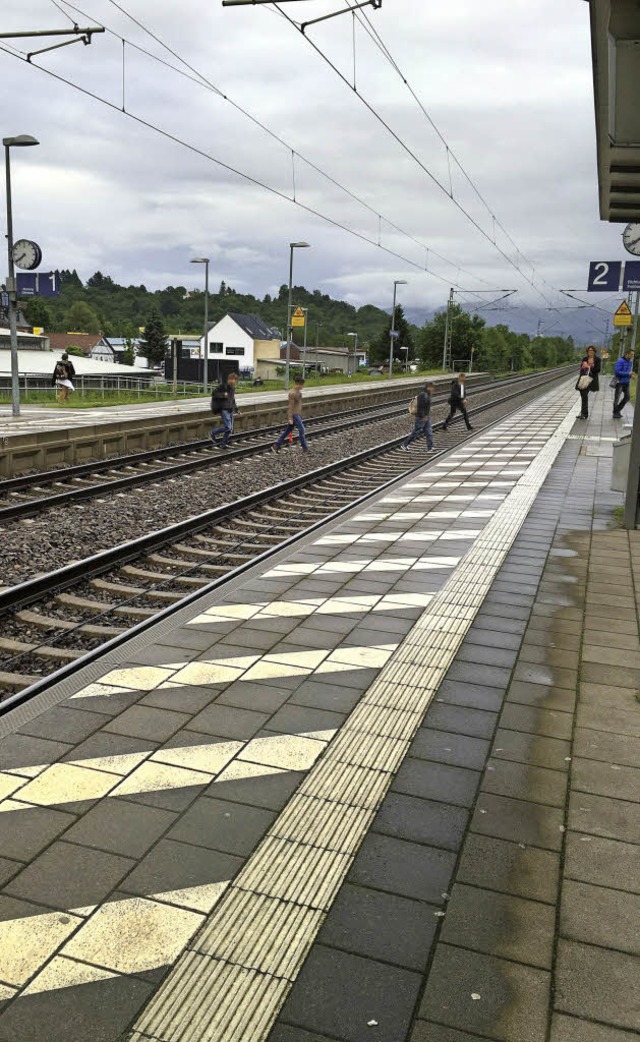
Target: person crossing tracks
[420, 408]
[223, 404]
[294, 420]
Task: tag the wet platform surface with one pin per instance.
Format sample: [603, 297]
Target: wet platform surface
[386, 790]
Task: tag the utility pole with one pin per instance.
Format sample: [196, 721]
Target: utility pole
[448, 334]
[304, 346]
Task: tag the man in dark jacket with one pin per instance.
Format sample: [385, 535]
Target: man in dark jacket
[62, 378]
[423, 419]
[223, 403]
[457, 402]
[624, 374]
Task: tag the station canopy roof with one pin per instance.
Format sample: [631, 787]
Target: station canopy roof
[615, 45]
[42, 363]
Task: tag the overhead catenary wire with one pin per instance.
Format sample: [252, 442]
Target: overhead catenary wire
[407, 148]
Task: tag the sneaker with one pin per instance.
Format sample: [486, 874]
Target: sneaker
[470, 428]
[617, 415]
[275, 448]
[223, 448]
[405, 448]
[432, 449]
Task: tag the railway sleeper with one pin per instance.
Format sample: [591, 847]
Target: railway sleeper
[141, 573]
[42, 650]
[135, 591]
[16, 681]
[171, 562]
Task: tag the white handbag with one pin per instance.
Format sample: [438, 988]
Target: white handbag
[584, 382]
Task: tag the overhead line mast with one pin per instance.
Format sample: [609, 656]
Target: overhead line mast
[376, 4]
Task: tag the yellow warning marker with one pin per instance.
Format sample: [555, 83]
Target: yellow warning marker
[298, 317]
[623, 316]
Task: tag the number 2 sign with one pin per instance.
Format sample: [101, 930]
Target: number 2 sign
[604, 276]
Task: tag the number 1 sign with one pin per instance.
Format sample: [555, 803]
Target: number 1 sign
[604, 276]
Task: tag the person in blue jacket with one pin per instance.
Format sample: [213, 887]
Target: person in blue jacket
[624, 375]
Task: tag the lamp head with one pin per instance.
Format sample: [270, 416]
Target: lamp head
[400, 282]
[200, 260]
[299, 245]
[21, 141]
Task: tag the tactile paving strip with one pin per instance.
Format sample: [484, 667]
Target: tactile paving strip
[264, 926]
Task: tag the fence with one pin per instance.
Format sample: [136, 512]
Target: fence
[37, 386]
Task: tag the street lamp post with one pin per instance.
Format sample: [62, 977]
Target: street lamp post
[355, 353]
[392, 333]
[205, 347]
[21, 141]
[292, 246]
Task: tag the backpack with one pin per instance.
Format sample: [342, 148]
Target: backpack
[218, 399]
[60, 372]
[413, 406]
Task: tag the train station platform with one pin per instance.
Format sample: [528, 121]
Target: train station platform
[385, 790]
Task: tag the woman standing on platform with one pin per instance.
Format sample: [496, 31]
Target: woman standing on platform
[588, 380]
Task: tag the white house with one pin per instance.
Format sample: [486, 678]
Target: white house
[244, 338]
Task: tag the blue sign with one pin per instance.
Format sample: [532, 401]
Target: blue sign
[38, 284]
[631, 276]
[604, 276]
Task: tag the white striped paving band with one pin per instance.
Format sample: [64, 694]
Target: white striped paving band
[231, 984]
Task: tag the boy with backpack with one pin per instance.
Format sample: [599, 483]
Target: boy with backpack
[420, 408]
[294, 419]
[223, 404]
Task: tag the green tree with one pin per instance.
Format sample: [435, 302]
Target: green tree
[380, 348]
[37, 313]
[154, 342]
[467, 332]
[80, 318]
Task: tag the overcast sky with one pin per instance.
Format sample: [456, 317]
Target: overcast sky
[507, 82]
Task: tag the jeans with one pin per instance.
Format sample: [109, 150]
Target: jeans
[227, 427]
[454, 408]
[299, 426]
[421, 426]
[622, 390]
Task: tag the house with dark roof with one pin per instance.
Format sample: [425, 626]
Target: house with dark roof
[246, 339]
[92, 345]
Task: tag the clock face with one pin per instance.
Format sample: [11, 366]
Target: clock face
[26, 254]
[631, 239]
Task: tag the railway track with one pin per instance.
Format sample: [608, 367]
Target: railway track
[27, 495]
[57, 621]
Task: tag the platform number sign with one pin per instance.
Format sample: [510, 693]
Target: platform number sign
[604, 276]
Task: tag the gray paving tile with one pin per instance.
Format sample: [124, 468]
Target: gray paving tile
[612, 748]
[503, 623]
[168, 799]
[541, 696]
[289, 1033]
[233, 828]
[293, 719]
[144, 722]
[435, 781]
[570, 1029]
[604, 718]
[380, 926]
[107, 705]
[460, 720]
[174, 866]
[427, 1031]
[513, 999]
[493, 638]
[228, 722]
[477, 673]
[605, 779]
[446, 747]
[487, 655]
[96, 1012]
[8, 869]
[537, 673]
[502, 925]
[64, 725]
[531, 748]
[421, 821]
[476, 696]
[551, 723]
[103, 744]
[619, 676]
[339, 993]
[23, 835]
[181, 699]
[121, 828]
[69, 876]
[516, 820]
[399, 867]
[510, 868]
[605, 862]
[602, 816]
[525, 782]
[598, 984]
[18, 750]
[319, 695]
[599, 915]
[270, 791]
[257, 697]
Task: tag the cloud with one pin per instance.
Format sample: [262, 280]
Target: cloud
[508, 85]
